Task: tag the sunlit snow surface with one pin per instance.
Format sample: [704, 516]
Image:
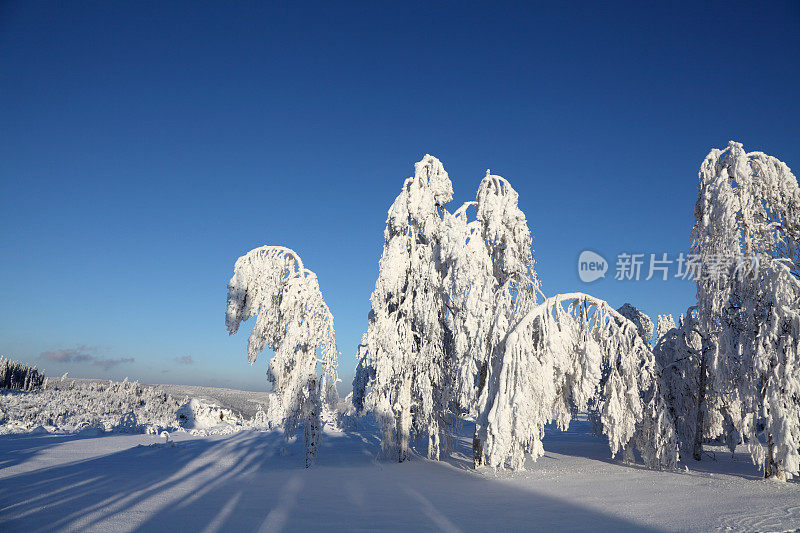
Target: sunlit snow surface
[254, 480]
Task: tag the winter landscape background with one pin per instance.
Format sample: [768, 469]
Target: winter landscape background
[498, 359]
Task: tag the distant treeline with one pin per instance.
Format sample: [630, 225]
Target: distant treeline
[15, 375]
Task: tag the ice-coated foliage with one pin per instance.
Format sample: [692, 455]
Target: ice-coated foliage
[644, 327]
[490, 279]
[407, 335]
[664, 324]
[447, 291]
[506, 234]
[196, 414]
[678, 351]
[747, 234]
[15, 375]
[762, 358]
[551, 363]
[94, 407]
[748, 203]
[292, 319]
[644, 324]
[472, 296]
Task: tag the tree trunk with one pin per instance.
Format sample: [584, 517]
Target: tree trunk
[771, 468]
[311, 430]
[477, 444]
[477, 450]
[404, 421]
[697, 451]
[433, 445]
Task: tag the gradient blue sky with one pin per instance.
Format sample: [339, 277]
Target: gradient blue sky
[144, 146]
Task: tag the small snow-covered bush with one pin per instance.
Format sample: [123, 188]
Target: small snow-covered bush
[196, 414]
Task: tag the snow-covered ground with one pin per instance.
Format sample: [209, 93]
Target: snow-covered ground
[254, 480]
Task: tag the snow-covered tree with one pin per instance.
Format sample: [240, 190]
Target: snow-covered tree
[644, 324]
[551, 363]
[292, 319]
[678, 353]
[490, 277]
[407, 339]
[644, 327]
[15, 375]
[664, 324]
[761, 343]
[466, 291]
[363, 376]
[747, 234]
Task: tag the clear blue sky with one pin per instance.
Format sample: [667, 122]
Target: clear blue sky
[144, 146]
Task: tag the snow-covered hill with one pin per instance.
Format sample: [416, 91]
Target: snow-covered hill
[255, 480]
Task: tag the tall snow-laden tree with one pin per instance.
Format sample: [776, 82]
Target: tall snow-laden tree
[292, 319]
[747, 234]
[490, 277]
[408, 339]
[552, 361]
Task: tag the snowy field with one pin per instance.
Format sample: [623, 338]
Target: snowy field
[255, 481]
[243, 403]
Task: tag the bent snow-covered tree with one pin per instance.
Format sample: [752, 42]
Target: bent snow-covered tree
[489, 278]
[551, 363]
[407, 337]
[644, 327]
[292, 319]
[747, 235]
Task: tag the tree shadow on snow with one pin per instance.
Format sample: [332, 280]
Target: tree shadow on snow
[579, 441]
[17, 448]
[720, 460]
[256, 481]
